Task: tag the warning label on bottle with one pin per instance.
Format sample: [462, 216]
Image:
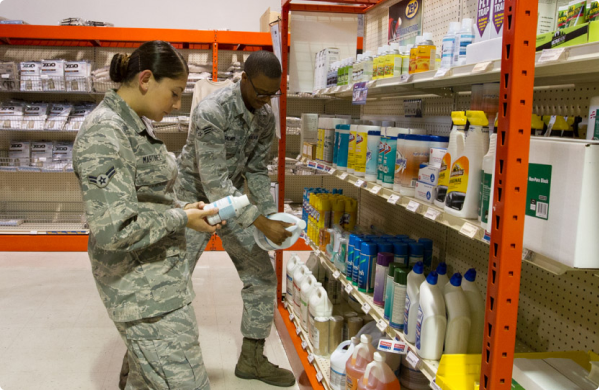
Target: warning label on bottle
[458, 178]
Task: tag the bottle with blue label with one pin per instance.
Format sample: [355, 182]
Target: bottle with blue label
[349, 263]
[368, 254]
[382, 146]
[432, 320]
[229, 207]
[357, 254]
[415, 280]
[465, 37]
[389, 157]
[400, 290]
[401, 252]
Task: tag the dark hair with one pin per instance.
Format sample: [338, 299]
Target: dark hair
[263, 62]
[158, 56]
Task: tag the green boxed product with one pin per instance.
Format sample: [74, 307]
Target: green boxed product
[570, 36]
[576, 13]
[562, 18]
[594, 31]
[593, 13]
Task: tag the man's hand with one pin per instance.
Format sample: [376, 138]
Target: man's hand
[273, 230]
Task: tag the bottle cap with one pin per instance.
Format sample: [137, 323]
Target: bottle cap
[378, 357]
[454, 26]
[466, 23]
[477, 118]
[427, 36]
[437, 138]
[432, 278]
[401, 249]
[470, 275]
[392, 268]
[416, 249]
[459, 118]
[537, 122]
[366, 338]
[384, 258]
[369, 249]
[416, 137]
[342, 127]
[456, 280]
[400, 276]
[395, 46]
[385, 246]
[442, 269]
[402, 236]
[418, 268]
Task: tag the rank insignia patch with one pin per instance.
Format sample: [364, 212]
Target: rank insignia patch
[102, 180]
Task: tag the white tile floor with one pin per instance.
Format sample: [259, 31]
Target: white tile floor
[55, 333]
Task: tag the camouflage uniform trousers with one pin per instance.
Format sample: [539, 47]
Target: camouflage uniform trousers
[164, 352]
[254, 269]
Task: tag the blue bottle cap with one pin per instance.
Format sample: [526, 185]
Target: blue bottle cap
[427, 243]
[442, 269]
[423, 165]
[418, 268]
[369, 249]
[342, 127]
[470, 275]
[387, 236]
[437, 138]
[400, 249]
[416, 249]
[385, 247]
[352, 239]
[402, 236]
[371, 236]
[456, 280]
[416, 137]
[432, 278]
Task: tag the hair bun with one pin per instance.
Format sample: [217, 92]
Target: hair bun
[118, 67]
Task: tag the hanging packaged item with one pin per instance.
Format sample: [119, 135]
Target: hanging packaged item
[77, 76]
[11, 115]
[576, 12]
[19, 153]
[9, 75]
[41, 153]
[35, 115]
[62, 158]
[59, 114]
[77, 117]
[52, 75]
[31, 72]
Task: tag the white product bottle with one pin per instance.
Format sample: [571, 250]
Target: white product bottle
[442, 278]
[367, 66]
[308, 286]
[299, 225]
[319, 306]
[350, 71]
[487, 185]
[432, 319]
[465, 38]
[299, 275]
[229, 207]
[463, 193]
[415, 279]
[339, 359]
[292, 265]
[477, 311]
[593, 125]
[458, 317]
[455, 150]
[372, 153]
[449, 43]
[358, 69]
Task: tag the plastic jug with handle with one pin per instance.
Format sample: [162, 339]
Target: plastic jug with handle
[339, 359]
[378, 376]
[319, 306]
[308, 285]
[296, 231]
[292, 265]
[356, 364]
[299, 275]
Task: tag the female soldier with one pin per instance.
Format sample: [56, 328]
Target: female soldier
[137, 226]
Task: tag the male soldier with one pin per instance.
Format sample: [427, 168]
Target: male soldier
[229, 139]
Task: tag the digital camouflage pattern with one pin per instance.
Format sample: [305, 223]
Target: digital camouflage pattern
[226, 144]
[137, 236]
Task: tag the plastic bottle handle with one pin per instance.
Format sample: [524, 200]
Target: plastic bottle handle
[369, 368]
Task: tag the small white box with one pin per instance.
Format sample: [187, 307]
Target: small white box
[429, 175]
[77, 76]
[30, 76]
[19, 152]
[41, 153]
[484, 51]
[35, 116]
[425, 192]
[561, 202]
[53, 75]
[436, 156]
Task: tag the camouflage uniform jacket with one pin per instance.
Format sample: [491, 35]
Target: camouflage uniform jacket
[137, 228]
[225, 144]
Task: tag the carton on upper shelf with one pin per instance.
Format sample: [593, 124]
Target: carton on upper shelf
[267, 18]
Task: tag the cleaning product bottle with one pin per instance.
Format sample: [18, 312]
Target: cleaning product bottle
[229, 207]
[356, 365]
[414, 54]
[432, 319]
[400, 290]
[376, 63]
[593, 125]
[455, 149]
[389, 154]
[458, 317]
[405, 58]
[487, 184]
[361, 149]
[465, 38]
[476, 304]
[319, 306]
[393, 61]
[300, 274]
[449, 42]
[296, 230]
[425, 58]
[308, 285]
[416, 253]
[401, 251]
[351, 150]
[350, 71]
[383, 61]
[372, 153]
[427, 243]
[389, 291]
[381, 154]
[322, 123]
[415, 279]
[383, 260]
[339, 359]
[368, 255]
[379, 376]
[358, 69]
[442, 278]
[341, 66]
[357, 258]
[293, 263]
[349, 265]
[464, 183]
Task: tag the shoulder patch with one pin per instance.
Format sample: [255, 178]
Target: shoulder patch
[102, 180]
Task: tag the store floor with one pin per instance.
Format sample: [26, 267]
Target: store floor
[55, 333]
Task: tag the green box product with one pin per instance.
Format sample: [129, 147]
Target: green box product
[594, 31]
[576, 13]
[562, 18]
[561, 208]
[593, 12]
[570, 36]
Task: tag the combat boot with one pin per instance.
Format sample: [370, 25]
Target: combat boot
[253, 364]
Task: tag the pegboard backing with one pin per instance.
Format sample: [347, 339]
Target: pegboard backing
[298, 106]
[341, 107]
[384, 106]
[38, 53]
[226, 57]
[39, 187]
[573, 100]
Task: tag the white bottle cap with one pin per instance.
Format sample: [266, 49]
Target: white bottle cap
[386, 48]
[378, 357]
[466, 23]
[368, 53]
[428, 36]
[419, 40]
[243, 201]
[402, 49]
[366, 338]
[380, 51]
[395, 46]
[454, 27]
[409, 47]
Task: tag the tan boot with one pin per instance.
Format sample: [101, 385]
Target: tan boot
[124, 372]
[253, 364]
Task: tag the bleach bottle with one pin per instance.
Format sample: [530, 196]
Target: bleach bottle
[477, 312]
[458, 314]
[300, 274]
[442, 278]
[296, 230]
[415, 279]
[356, 365]
[292, 265]
[229, 207]
[308, 285]
[379, 376]
[319, 306]
[339, 359]
[432, 320]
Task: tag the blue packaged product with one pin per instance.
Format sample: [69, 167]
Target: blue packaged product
[349, 264]
[401, 251]
[342, 146]
[368, 253]
[416, 253]
[356, 260]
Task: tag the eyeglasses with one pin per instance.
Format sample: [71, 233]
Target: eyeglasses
[261, 96]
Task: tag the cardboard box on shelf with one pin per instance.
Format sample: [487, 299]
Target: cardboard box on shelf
[267, 18]
[429, 175]
[309, 150]
[425, 192]
[570, 36]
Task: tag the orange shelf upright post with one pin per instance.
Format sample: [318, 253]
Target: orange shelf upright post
[215, 61]
[511, 178]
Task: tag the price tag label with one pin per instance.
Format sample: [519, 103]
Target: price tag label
[332, 171]
[298, 330]
[5, 76]
[443, 72]
[319, 377]
[366, 308]
[469, 230]
[382, 325]
[299, 157]
[413, 206]
[344, 176]
[393, 199]
[526, 254]
[348, 288]
[413, 359]
[318, 252]
[291, 317]
[359, 183]
[311, 358]
[336, 274]
[482, 67]
[376, 189]
[435, 386]
[285, 304]
[304, 344]
[405, 78]
[432, 214]
[552, 55]
[33, 232]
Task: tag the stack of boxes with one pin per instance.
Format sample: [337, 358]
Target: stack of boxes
[322, 64]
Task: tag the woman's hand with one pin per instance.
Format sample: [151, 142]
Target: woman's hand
[196, 218]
